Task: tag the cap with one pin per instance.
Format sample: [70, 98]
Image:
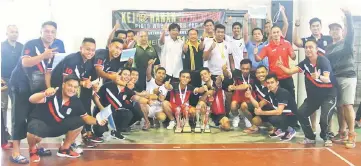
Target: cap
[335, 25]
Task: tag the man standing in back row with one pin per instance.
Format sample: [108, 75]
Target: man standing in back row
[342, 59]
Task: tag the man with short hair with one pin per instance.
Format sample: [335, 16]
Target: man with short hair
[171, 54]
[81, 65]
[242, 80]
[321, 92]
[278, 49]
[58, 112]
[10, 55]
[237, 45]
[120, 97]
[315, 26]
[131, 42]
[158, 93]
[208, 35]
[27, 78]
[107, 61]
[144, 52]
[179, 104]
[341, 55]
[282, 103]
[267, 36]
[211, 104]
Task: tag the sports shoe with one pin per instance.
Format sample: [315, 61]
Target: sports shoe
[88, 143]
[75, 147]
[290, 133]
[44, 152]
[341, 137]
[351, 142]
[328, 143]
[34, 156]
[95, 139]
[116, 135]
[235, 121]
[171, 125]
[277, 133]
[67, 153]
[307, 141]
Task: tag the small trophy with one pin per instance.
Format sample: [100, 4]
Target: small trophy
[178, 129]
[205, 122]
[198, 123]
[186, 127]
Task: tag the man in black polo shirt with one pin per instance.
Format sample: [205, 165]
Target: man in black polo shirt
[283, 105]
[10, 55]
[120, 97]
[320, 89]
[58, 112]
[315, 26]
[107, 61]
[79, 64]
[27, 78]
[144, 52]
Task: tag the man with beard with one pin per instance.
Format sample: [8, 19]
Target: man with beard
[211, 104]
[58, 112]
[157, 93]
[120, 97]
[321, 92]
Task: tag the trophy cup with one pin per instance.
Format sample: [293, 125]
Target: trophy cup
[198, 123]
[178, 129]
[186, 127]
[206, 128]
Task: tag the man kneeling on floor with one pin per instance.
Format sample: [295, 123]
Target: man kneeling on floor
[58, 112]
[283, 105]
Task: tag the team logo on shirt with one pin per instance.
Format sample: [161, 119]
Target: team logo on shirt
[68, 111]
[68, 71]
[240, 44]
[100, 62]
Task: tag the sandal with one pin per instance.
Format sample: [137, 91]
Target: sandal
[146, 126]
[19, 159]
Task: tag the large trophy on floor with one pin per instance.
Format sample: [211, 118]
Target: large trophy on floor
[186, 127]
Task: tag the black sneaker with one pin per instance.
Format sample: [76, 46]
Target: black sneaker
[88, 143]
[44, 152]
[116, 135]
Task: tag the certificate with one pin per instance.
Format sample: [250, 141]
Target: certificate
[126, 54]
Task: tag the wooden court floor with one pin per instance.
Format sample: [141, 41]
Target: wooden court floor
[255, 154]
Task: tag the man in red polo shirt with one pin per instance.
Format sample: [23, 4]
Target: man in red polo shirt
[278, 49]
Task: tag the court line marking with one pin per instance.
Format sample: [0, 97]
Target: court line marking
[195, 149]
[340, 157]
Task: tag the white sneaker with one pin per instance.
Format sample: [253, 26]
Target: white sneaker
[247, 122]
[171, 125]
[235, 121]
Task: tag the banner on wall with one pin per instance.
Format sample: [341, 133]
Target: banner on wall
[153, 21]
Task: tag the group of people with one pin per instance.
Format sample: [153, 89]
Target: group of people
[193, 85]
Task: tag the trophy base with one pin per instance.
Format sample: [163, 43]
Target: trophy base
[197, 130]
[187, 129]
[178, 130]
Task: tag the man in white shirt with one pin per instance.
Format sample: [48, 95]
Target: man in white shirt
[218, 52]
[155, 87]
[208, 35]
[237, 45]
[172, 51]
